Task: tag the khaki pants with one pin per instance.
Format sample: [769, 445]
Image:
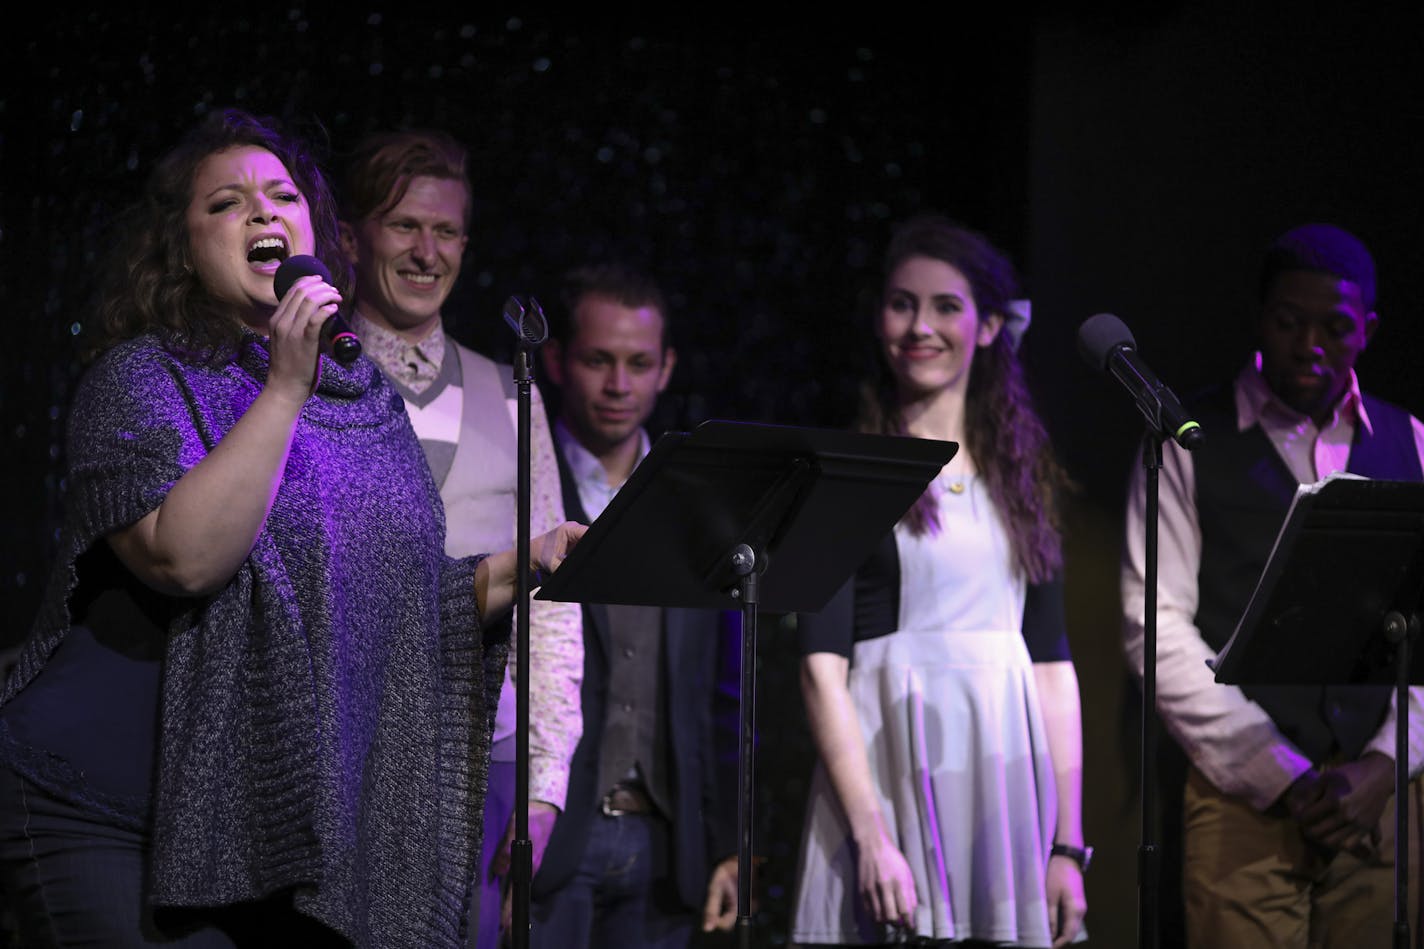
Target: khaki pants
[1251, 879]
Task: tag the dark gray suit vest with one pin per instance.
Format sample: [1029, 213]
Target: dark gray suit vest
[1244, 491]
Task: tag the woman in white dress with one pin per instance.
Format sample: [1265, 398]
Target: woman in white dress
[946, 803]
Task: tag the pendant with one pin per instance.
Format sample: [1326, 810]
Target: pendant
[956, 487]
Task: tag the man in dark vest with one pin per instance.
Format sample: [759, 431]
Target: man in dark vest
[645, 850]
[1287, 810]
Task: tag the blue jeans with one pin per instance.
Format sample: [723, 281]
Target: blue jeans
[622, 893]
[70, 879]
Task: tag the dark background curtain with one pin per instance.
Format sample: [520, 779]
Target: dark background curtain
[1131, 158]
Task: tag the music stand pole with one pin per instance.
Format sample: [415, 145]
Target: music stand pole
[1400, 632]
[744, 566]
[1148, 857]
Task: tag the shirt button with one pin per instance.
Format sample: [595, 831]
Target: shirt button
[627, 652]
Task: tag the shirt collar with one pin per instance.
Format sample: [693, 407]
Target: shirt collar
[395, 354]
[583, 464]
[1254, 399]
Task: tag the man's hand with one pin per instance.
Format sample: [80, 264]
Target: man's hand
[1340, 807]
[1303, 792]
[720, 910]
[541, 825]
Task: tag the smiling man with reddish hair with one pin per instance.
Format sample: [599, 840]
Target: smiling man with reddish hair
[405, 223]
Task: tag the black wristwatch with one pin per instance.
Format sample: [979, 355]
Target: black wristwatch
[1082, 857]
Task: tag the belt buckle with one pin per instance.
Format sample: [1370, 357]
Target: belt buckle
[606, 805]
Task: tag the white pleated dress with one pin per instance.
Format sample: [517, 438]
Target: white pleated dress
[958, 751]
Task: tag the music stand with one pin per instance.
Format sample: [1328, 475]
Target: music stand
[1338, 604]
[753, 517]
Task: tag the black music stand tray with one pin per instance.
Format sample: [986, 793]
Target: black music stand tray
[1338, 604]
[747, 516]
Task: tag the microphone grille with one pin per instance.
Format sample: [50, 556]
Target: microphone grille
[528, 323]
[534, 328]
[293, 268]
[1099, 336]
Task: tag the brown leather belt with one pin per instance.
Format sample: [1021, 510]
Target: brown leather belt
[626, 799]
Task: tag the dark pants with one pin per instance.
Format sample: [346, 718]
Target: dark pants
[70, 879]
[622, 893]
[499, 807]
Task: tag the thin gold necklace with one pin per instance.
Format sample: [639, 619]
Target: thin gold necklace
[954, 483]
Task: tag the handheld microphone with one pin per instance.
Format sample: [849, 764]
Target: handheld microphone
[1107, 344]
[336, 336]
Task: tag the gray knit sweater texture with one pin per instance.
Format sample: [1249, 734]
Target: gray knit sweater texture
[325, 717]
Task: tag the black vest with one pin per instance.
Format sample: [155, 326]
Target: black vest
[1243, 492]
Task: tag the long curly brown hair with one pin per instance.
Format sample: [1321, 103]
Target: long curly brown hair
[1003, 433]
[151, 284]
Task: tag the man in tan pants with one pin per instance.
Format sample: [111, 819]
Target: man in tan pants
[1288, 807]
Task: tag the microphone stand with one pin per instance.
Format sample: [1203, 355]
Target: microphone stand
[1108, 345]
[1148, 856]
[1400, 631]
[531, 329]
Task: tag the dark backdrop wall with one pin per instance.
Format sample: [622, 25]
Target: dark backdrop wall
[1130, 161]
[754, 169]
[1168, 148]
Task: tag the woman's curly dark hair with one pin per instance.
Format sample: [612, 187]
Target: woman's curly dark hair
[1003, 433]
[151, 284]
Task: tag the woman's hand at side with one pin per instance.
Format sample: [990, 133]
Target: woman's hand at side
[1067, 902]
[885, 881]
[1057, 684]
[882, 873]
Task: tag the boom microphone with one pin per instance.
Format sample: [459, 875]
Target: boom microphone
[336, 336]
[1107, 344]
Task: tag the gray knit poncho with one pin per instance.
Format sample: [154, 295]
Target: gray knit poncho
[325, 718]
